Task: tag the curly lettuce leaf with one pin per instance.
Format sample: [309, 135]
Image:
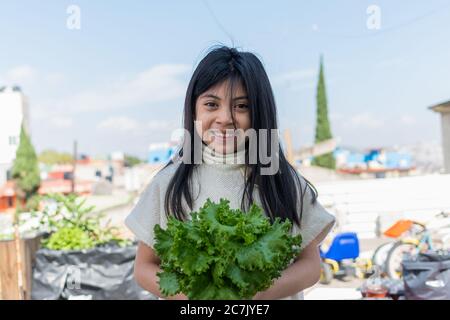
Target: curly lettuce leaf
[223, 253]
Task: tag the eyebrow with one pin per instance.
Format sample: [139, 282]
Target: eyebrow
[209, 95]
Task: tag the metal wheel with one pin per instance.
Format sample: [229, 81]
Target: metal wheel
[395, 257]
[380, 255]
[326, 273]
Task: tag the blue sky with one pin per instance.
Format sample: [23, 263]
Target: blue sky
[118, 83]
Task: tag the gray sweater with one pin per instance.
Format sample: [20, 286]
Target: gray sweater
[217, 177]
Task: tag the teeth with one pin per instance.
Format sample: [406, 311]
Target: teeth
[221, 135]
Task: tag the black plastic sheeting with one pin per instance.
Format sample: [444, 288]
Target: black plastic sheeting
[427, 277]
[101, 273]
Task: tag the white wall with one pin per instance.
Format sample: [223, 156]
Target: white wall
[360, 204]
[13, 109]
[4, 167]
[445, 123]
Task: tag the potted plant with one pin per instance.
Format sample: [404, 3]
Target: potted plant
[81, 257]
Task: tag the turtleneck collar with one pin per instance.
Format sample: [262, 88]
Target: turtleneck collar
[226, 161]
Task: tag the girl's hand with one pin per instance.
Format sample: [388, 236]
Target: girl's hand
[262, 295]
[180, 296]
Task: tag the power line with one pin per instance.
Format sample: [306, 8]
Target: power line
[217, 21]
[393, 28]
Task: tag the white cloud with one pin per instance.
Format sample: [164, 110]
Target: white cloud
[157, 84]
[335, 116]
[408, 120]
[61, 121]
[20, 74]
[32, 81]
[365, 120]
[391, 63]
[125, 124]
[54, 78]
[295, 76]
[120, 123]
[160, 125]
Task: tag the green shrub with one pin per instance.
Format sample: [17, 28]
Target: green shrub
[72, 225]
[69, 238]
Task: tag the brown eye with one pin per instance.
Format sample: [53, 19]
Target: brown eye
[211, 104]
[241, 106]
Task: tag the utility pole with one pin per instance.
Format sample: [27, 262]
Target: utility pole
[288, 140]
[74, 165]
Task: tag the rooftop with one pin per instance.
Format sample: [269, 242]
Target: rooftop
[441, 107]
[8, 89]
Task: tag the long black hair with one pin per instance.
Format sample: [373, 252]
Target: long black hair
[280, 193]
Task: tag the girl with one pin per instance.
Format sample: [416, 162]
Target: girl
[230, 94]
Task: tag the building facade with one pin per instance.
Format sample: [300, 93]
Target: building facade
[13, 112]
[444, 110]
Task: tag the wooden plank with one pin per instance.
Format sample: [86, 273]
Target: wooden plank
[8, 271]
[9, 282]
[29, 248]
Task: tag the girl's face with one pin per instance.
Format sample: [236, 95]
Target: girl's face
[215, 121]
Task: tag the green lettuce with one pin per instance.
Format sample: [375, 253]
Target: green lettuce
[223, 253]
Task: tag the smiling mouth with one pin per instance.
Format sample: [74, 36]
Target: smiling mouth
[224, 136]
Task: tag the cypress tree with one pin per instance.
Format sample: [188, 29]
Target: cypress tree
[25, 171]
[323, 130]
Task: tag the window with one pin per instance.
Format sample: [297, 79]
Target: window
[12, 140]
[10, 202]
[68, 175]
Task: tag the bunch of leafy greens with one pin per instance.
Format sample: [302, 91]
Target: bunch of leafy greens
[223, 253]
[73, 226]
[69, 238]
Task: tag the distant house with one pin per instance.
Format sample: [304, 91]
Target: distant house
[65, 187]
[160, 152]
[8, 197]
[57, 172]
[349, 158]
[56, 179]
[444, 110]
[377, 161]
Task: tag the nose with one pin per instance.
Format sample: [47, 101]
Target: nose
[224, 116]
